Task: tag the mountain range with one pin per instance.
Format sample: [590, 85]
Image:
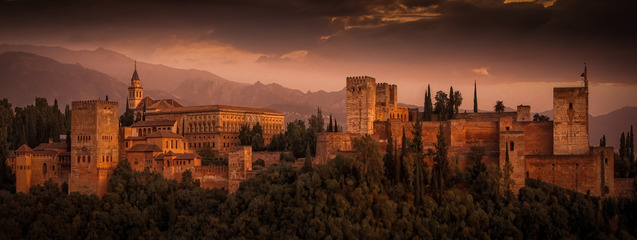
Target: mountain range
[67, 75]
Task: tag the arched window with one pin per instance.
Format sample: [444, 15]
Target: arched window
[44, 170]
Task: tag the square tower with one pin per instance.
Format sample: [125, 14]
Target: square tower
[361, 101]
[570, 121]
[94, 145]
[385, 101]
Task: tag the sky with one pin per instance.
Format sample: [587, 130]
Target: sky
[515, 50]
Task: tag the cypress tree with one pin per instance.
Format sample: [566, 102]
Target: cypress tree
[631, 146]
[622, 146]
[602, 141]
[330, 127]
[475, 97]
[335, 125]
[428, 111]
[452, 103]
[403, 154]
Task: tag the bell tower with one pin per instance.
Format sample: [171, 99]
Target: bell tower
[135, 91]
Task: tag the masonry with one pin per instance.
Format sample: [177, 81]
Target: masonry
[556, 152]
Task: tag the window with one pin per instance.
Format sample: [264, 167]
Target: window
[512, 146]
[44, 170]
[570, 105]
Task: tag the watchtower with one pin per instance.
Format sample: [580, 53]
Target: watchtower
[361, 100]
[94, 145]
[570, 123]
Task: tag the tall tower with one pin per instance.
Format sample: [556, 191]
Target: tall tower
[94, 145]
[361, 100]
[135, 91]
[570, 123]
[23, 164]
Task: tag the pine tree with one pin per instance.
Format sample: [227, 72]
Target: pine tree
[419, 173]
[403, 154]
[330, 127]
[307, 164]
[631, 146]
[475, 97]
[441, 164]
[428, 111]
[335, 125]
[389, 157]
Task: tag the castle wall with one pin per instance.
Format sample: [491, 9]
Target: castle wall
[624, 187]
[538, 137]
[94, 145]
[582, 173]
[513, 141]
[239, 163]
[23, 172]
[570, 124]
[328, 144]
[361, 101]
[269, 158]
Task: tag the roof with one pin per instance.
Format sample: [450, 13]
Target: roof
[135, 138]
[135, 76]
[152, 104]
[164, 134]
[187, 156]
[11, 155]
[56, 145]
[216, 108]
[145, 148]
[24, 148]
[152, 123]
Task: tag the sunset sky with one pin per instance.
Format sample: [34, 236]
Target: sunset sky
[517, 51]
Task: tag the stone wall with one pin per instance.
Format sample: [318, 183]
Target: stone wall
[328, 144]
[582, 173]
[570, 124]
[625, 187]
[239, 163]
[513, 141]
[538, 137]
[270, 158]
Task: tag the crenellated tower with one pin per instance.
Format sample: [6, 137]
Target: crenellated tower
[361, 104]
[135, 91]
[570, 124]
[94, 145]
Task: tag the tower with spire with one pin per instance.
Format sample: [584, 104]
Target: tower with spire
[135, 91]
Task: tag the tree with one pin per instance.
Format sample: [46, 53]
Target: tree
[499, 106]
[441, 105]
[127, 118]
[475, 97]
[330, 127]
[540, 118]
[368, 159]
[389, 159]
[441, 164]
[207, 156]
[316, 122]
[295, 138]
[245, 135]
[457, 97]
[622, 146]
[307, 164]
[631, 146]
[428, 111]
[602, 141]
[257, 141]
[451, 104]
[419, 168]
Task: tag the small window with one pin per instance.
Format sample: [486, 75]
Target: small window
[570, 105]
[507, 128]
[512, 146]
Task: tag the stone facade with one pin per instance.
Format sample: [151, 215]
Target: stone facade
[570, 124]
[557, 152]
[361, 104]
[94, 145]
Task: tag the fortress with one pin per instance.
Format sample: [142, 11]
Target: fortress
[165, 141]
[556, 152]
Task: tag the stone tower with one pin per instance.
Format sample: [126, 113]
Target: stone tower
[94, 145]
[135, 91]
[386, 100]
[23, 165]
[570, 124]
[361, 100]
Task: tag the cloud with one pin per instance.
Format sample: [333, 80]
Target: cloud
[481, 71]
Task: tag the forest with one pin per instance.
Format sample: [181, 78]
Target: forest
[367, 194]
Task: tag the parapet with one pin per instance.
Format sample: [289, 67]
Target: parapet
[360, 79]
[88, 103]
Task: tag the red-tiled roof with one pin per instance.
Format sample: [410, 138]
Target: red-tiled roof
[145, 148]
[24, 148]
[163, 134]
[153, 123]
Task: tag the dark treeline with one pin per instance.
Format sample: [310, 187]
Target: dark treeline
[31, 125]
[297, 137]
[349, 198]
[625, 164]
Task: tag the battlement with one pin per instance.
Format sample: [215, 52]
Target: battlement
[210, 169]
[359, 80]
[89, 103]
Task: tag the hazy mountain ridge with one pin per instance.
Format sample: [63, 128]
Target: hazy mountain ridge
[190, 87]
[26, 76]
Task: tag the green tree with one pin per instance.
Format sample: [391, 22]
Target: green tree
[295, 138]
[245, 135]
[257, 141]
[128, 117]
[441, 164]
[451, 104]
[441, 105]
[499, 106]
[369, 159]
[457, 101]
[428, 108]
[207, 155]
[540, 118]
[475, 97]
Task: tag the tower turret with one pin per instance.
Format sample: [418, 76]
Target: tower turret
[135, 91]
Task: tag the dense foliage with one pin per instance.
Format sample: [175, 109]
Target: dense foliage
[347, 199]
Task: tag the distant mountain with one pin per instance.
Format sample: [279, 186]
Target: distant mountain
[190, 87]
[120, 67]
[25, 76]
[612, 124]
